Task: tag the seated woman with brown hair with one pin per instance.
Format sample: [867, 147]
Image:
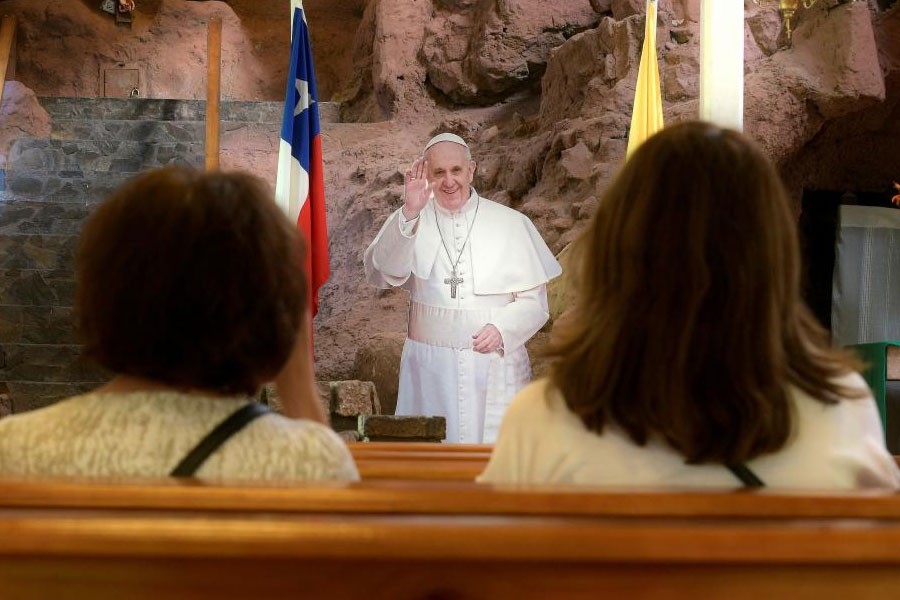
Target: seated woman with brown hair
[689, 358]
[189, 290]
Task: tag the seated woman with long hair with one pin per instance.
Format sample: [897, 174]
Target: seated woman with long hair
[688, 357]
[189, 290]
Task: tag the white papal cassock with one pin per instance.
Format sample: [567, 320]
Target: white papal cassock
[504, 266]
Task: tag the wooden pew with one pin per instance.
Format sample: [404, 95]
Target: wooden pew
[420, 540]
[437, 497]
[136, 555]
[423, 461]
[376, 447]
[419, 460]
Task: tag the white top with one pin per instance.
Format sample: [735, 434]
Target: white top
[542, 441]
[146, 434]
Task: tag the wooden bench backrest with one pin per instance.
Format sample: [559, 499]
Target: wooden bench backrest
[406, 540]
[94, 554]
[417, 461]
[445, 498]
[421, 461]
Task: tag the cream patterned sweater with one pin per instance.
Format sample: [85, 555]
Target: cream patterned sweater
[145, 434]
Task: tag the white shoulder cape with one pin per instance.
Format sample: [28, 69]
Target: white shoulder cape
[508, 253]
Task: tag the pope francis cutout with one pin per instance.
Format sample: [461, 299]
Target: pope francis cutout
[476, 272]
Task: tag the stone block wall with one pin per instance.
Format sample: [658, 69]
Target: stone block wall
[49, 187]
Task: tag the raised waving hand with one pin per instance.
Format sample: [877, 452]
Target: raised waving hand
[418, 189]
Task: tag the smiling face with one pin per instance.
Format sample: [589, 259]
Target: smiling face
[450, 172]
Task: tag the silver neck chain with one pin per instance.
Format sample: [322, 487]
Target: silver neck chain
[454, 264]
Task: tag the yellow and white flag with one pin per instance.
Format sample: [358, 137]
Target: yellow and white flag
[647, 115]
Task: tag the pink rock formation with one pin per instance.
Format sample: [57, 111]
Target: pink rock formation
[64, 48]
[543, 89]
[21, 116]
[387, 74]
[476, 52]
[790, 95]
[857, 151]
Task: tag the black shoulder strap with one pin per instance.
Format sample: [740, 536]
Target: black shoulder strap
[747, 477]
[215, 438]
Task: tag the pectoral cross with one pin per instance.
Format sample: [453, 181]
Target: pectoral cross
[453, 281]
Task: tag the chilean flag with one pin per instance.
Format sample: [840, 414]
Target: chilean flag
[300, 184]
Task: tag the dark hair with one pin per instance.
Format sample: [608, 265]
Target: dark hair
[191, 278]
[688, 322]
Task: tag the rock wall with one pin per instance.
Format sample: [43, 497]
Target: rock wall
[543, 90]
[859, 150]
[550, 152]
[22, 116]
[64, 46]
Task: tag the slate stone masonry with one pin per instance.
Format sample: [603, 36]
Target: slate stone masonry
[47, 190]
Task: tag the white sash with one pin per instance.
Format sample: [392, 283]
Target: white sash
[453, 328]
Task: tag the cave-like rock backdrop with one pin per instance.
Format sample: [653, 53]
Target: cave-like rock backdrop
[543, 90]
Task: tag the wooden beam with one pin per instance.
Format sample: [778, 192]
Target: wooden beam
[7, 50]
[213, 84]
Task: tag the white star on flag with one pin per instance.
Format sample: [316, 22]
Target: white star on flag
[304, 100]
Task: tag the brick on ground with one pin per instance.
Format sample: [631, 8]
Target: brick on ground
[388, 428]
